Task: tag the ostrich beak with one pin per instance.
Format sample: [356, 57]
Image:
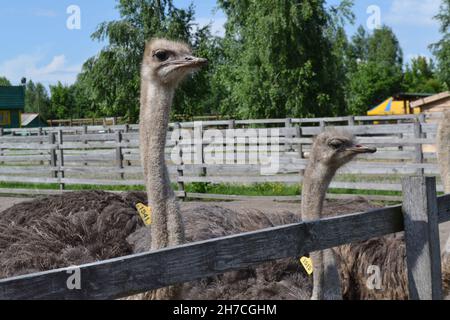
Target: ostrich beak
[362, 149]
[194, 61]
[191, 61]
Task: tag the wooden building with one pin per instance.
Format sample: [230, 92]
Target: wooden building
[12, 104]
[436, 103]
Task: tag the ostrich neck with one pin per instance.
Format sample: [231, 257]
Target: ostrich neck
[326, 281]
[316, 181]
[156, 101]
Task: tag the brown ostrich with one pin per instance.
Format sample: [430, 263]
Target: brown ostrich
[330, 151]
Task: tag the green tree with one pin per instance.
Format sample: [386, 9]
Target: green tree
[62, 101]
[442, 49]
[4, 82]
[377, 69]
[279, 60]
[109, 82]
[37, 99]
[420, 77]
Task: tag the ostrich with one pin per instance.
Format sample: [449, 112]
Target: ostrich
[165, 65]
[331, 150]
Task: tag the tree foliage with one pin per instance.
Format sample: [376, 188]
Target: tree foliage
[37, 99]
[420, 77]
[110, 81]
[376, 71]
[279, 59]
[4, 81]
[442, 48]
[62, 101]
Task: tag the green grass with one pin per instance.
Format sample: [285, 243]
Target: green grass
[261, 189]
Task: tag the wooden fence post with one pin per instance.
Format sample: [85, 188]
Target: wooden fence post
[119, 156]
[1, 150]
[85, 141]
[61, 159]
[418, 134]
[351, 120]
[201, 158]
[300, 148]
[322, 125]
[127, 130]
[180, 166]
[423, 255]
[40, 134]
[53, 158]
[287, 134]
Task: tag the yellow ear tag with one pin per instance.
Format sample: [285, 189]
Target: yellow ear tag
[145, 213]
[307, 264]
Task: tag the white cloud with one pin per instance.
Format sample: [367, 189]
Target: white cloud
[413, 12]
[217, 25]
[31, 67]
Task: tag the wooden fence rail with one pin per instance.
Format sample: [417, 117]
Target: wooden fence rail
[109, 155]
[419, 217]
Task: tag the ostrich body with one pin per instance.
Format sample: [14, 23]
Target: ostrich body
[331, 150]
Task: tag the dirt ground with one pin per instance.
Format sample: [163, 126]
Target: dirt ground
[263, 205]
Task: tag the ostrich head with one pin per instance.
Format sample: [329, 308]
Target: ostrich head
[335, 148]
[169, 62]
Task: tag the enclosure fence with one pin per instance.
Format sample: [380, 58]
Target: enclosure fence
[109, 155]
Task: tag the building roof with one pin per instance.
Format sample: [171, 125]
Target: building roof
[27, 118]
[388, 107]
[12, 97]
[411, 96]
[423, 102]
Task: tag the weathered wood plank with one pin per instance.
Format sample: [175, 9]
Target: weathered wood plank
[102, 182]
[444, 208]
[423, 252]
[129, 275]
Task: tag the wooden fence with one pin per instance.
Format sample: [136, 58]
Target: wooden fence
[111, 121]
[419, 218]
[109, 155]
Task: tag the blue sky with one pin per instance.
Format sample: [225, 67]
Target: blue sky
[36, 42]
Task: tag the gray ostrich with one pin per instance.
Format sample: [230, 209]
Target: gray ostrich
[331, 150]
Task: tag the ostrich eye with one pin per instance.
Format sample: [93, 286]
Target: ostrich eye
[161, 55]
[336, 144]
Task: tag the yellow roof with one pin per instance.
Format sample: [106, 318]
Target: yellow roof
[388, 107]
